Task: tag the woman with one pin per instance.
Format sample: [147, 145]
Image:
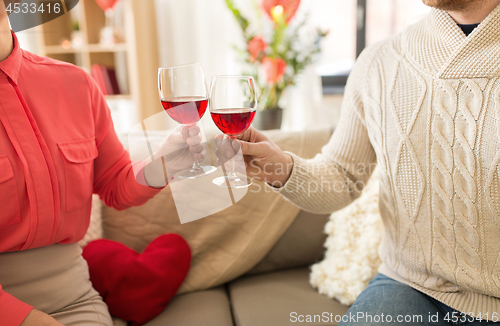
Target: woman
[57, 147]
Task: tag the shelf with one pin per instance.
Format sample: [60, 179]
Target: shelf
[119, 97]
[93, 48]
[73, 58]
[120, 47]
[134, 61]
[56, 49]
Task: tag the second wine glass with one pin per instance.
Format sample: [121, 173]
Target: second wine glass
[232, 107]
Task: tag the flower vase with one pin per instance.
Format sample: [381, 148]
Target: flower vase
[268, 119]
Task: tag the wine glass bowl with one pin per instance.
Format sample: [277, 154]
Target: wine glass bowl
[183, 95]
[233, 122]
[186, 111]
[232, 107]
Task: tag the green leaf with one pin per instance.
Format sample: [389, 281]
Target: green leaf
[242, 21]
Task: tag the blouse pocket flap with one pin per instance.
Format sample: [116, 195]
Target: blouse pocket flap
[6, 171]
[80, 151]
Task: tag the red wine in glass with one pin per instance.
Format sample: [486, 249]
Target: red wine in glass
[233, 122]
[185, 110]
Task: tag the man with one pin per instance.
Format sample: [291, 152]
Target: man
[425, 106]
[57, 147]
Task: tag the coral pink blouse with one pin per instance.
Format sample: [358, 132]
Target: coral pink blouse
[57, 147]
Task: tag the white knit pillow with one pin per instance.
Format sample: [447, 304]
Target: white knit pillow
[351, 259]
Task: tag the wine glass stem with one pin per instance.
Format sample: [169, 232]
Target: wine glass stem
[196, 164]
[232, 172]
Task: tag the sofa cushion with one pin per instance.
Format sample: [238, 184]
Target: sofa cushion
[281, 298]
[208, 308]
[301, 245]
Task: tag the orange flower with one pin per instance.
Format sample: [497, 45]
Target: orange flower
[256, 47]
[274, 69]
[289, 7]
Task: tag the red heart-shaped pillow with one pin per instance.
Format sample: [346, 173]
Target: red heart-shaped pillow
[106, 4]
[137, 287]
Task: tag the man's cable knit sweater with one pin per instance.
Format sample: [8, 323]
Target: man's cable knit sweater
[425, 106]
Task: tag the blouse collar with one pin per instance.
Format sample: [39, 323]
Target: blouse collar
[12, 64]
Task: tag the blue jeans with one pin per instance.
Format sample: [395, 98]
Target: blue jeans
[388, 302]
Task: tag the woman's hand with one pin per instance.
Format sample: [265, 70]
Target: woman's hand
[38, 318]
[178, 151]
[264, 160]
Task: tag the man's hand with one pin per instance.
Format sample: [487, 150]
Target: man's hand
[264, 160]
[38, 318]
[178, 150]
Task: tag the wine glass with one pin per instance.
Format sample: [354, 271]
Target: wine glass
[183, 95]
[232, 107]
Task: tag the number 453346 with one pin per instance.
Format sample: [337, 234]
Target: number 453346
[34, 8]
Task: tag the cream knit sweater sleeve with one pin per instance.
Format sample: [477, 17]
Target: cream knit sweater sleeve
[335, 177]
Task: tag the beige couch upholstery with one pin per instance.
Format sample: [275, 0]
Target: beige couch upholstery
[269, 291]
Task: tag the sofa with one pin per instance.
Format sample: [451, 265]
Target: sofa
[276, 292]
[270, 287]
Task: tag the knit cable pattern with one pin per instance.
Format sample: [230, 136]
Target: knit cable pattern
[442, 187]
